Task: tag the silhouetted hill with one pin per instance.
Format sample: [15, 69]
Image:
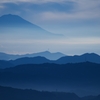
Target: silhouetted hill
[7, 93]
[91, 57]
[80, 78]
[5, 64]
[96, 98]
[46, 54]
[88, 97]
[24, 60]
[32, 60]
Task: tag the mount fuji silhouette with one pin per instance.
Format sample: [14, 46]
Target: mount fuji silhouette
[15, 25]
[14, 21]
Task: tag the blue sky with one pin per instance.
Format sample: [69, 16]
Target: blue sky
[77, 20]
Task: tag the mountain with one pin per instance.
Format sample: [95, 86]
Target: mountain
[29, 94]
[25, 60]
[80, 78]
[5, 64]
[8, 93]
[46, 54]
[14, 21]
[90, 97]
[4, 56]
[40, 58]
[13, 26]
[96, 98]
[91, 57]
[32, 60]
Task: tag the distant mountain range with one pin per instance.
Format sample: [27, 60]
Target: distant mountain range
[40, 58]
[46, 54]
[16, 27]
[80, 78]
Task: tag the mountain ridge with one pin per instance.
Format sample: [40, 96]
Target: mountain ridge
[79, 78]
[29, 94]
[91, 57]
[49, 95]
[40, 59]
[46, 54]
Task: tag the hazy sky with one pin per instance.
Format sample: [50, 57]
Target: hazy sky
[77, 20]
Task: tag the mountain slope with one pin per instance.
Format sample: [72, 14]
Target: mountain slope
[5, 64]
[7, 93]
[13, 21]
[15, 26]
[24, 60]
[40, 58]
[80, 78]
[32, 60]
[28, 94]
[96, 98]
[91, 57]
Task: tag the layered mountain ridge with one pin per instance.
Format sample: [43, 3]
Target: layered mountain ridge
[46, 54]
[80, 78]
[45, 57]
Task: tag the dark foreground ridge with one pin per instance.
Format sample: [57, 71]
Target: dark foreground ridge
[8, 93]
[80, 78]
